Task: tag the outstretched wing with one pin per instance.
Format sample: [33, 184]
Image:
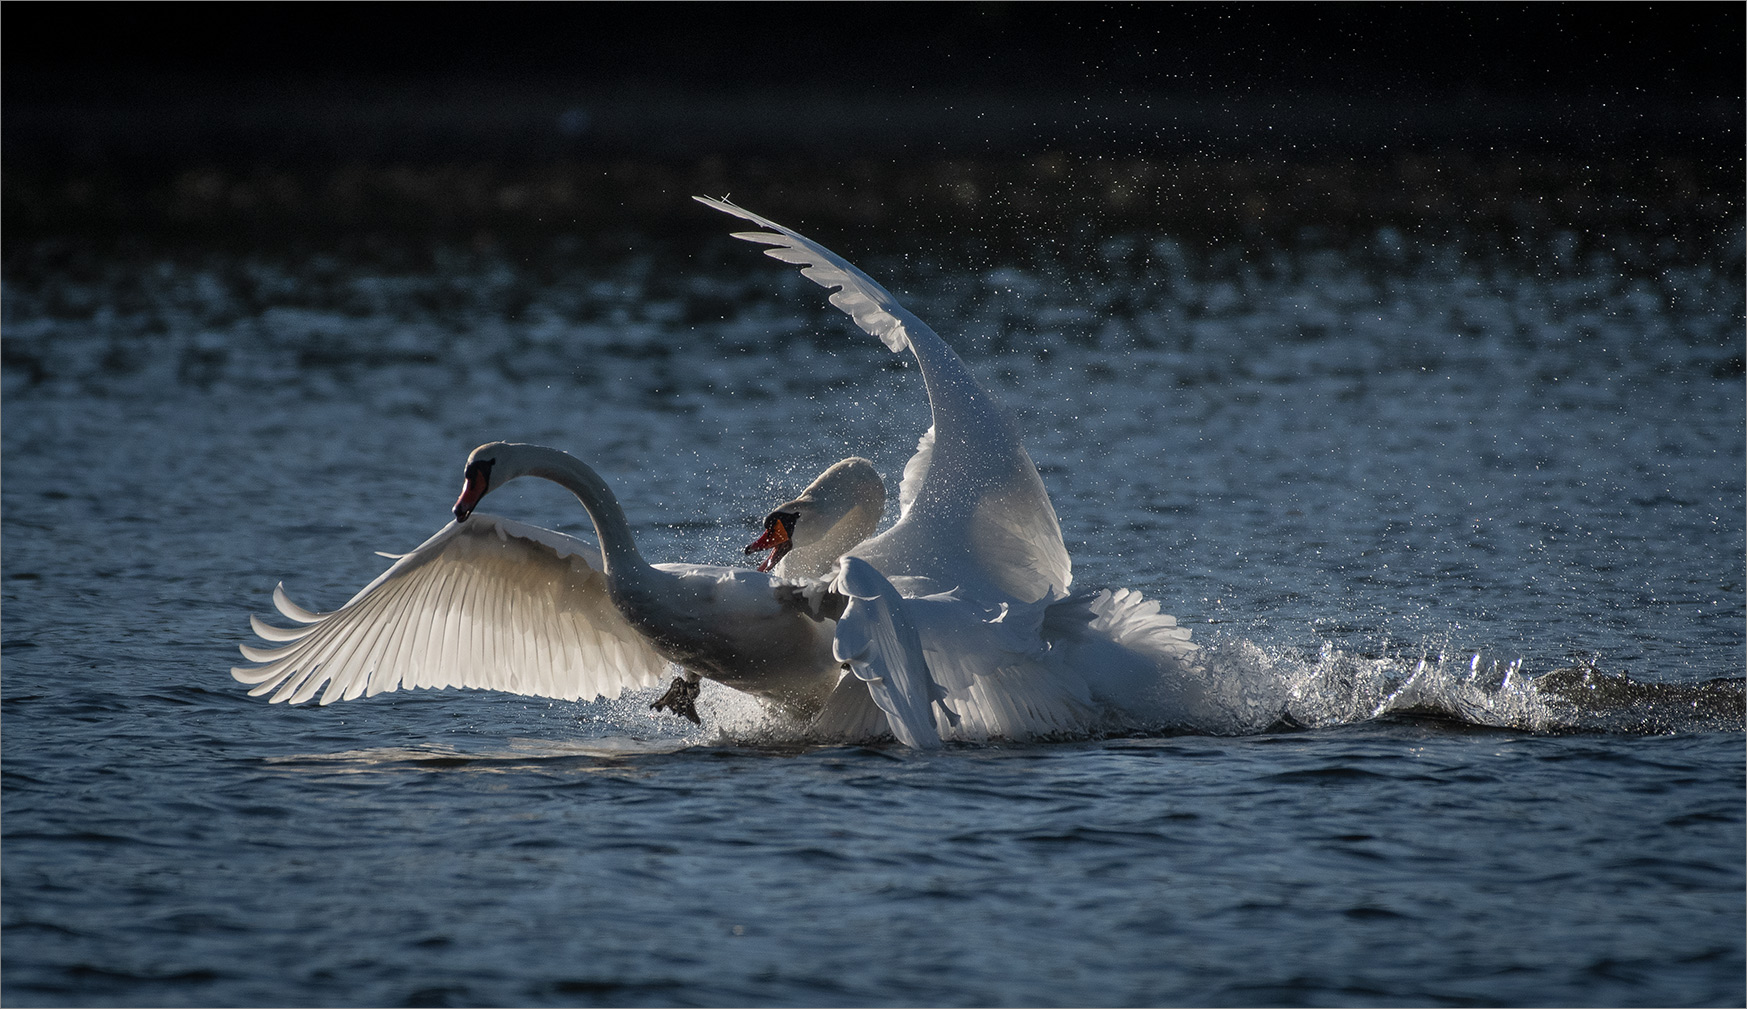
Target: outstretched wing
[975, 514]
[487, 603]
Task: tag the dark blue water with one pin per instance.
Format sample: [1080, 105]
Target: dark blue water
[1467, 517]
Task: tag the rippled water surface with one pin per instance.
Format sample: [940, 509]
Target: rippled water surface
[1469, 512]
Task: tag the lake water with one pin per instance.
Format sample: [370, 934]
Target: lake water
[1466, 512]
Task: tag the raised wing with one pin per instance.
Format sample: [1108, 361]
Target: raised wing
[487, 603]
[975, 514]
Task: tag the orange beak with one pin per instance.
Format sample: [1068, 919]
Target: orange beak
[778, 530]
[478, 481]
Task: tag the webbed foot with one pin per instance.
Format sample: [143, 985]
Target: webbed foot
[681, 699]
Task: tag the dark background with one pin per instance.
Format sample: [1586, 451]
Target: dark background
[1204, 48]
[235, 83]
[270, 125]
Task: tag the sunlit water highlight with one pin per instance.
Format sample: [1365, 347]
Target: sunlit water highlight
[1462, 536]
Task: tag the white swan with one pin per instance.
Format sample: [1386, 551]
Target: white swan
[835, 513]
[496, 604]
[978, 550]
[962, 607]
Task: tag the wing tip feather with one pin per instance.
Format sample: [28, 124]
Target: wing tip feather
[268, 632]
[291, 610]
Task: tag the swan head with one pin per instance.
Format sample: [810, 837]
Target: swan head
[838, 510]
[489, 467]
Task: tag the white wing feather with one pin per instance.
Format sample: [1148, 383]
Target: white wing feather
[875, 637]
[487, 603]
[1095, 661]
[974, 513]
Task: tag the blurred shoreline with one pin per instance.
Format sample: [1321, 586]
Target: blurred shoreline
[383, 173]
[1695, 203]
[185, 118]
[264, 125]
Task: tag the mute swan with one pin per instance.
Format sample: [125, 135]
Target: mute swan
[496, 604]
[958, 620]
[978, 553]
[836, 512]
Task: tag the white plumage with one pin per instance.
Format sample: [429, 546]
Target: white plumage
[958, 622]
[973, 512]
[494, 604]
[487, 603]
[978, 551]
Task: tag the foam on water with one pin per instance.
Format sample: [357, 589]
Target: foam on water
[1336, 687]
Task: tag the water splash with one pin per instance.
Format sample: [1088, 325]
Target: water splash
[1266, 689]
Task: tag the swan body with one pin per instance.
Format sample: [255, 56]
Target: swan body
[977, 551]
[491, 603]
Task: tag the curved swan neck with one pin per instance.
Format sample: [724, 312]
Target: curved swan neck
[813, 559]
[618, 548]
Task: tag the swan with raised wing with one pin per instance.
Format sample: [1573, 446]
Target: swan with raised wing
[978, 551]
[962, 608]
[496, 604]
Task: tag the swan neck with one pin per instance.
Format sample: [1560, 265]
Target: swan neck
[618, 548]
[814, 559]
